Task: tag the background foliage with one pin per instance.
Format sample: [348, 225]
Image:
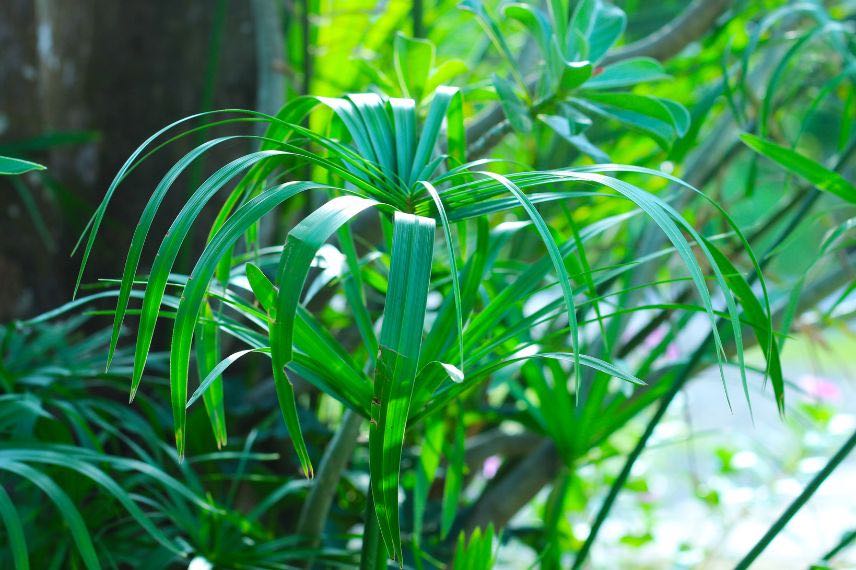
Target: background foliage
[567, 303]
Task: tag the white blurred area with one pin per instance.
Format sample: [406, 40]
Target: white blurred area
[696, 514]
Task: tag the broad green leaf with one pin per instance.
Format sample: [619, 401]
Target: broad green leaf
[516, 110]
[14, 531]
[681, 119]
[582, 22]
[13, 166]
[563, 127]
[800, 165]
[627, 73]
[641, 112]
[574, 74]
[414, 60]
[609, 23]
[300, 248]
[400, 343]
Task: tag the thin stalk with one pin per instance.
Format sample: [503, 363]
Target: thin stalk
[418, 15]
[616, 487]
[306, 45]
[314, 513]
[798, 503]
[845, 541]
[373, 553]
[206, 103]
[209, 81]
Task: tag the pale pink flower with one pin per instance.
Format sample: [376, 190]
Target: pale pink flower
[820, 388]
[672, 352]
[656, 336]
[491, 466]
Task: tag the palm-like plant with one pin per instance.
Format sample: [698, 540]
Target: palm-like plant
[406, 384]
[408, 162]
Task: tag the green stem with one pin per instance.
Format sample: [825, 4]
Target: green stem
[418, 13]
[373, 555]
[798, 503]
[845, 541]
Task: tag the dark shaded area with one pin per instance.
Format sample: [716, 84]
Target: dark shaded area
[83, 83]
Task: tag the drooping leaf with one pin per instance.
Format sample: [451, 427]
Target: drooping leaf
[299, 251]
[800, 165]
[516, 110]
[14, 166]
[759, 320]
[400, 343]
[626, 73]
[14, 531]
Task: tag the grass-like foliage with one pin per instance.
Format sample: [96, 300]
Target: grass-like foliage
[392, 281]
[407, 164]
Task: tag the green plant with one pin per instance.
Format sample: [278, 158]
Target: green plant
[505, 331]
[377, 155]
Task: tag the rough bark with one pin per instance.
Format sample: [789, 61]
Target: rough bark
[122, 70]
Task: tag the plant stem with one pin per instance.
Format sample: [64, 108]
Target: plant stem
[418, 15]
[616, 487]
[668, 41]
[306, 45]
[373, 554]
[798, 503]
[845, 541]
[314, 513]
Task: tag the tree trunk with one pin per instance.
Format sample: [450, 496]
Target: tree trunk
[121, 70]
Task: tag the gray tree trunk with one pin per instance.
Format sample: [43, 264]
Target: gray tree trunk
[122, 70]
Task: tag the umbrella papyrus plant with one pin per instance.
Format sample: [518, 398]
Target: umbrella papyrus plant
[409, 168]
